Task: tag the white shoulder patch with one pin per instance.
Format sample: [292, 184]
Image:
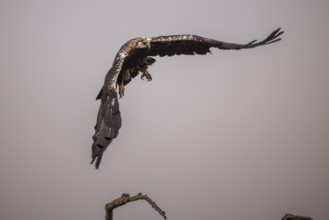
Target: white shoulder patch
[121, 55]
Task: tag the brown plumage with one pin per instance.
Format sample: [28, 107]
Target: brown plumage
[135, 57]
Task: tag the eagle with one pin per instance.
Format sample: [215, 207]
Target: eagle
[134, 57]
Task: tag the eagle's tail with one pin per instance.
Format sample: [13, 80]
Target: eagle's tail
[107, 126]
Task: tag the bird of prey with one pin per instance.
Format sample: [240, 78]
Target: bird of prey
[133, 58]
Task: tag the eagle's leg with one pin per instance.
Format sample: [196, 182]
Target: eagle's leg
[121, 89]
[126, 78]
[143, 68]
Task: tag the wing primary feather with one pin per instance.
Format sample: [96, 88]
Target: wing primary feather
[272, 38]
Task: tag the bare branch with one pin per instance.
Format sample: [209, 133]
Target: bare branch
[124, 199]
[295, 217]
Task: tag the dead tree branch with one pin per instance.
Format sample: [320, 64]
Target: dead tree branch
[124, 199]
[295, 217]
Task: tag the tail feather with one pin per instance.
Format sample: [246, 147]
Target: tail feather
[107, 126]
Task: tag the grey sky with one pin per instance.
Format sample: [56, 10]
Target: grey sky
[232, 135]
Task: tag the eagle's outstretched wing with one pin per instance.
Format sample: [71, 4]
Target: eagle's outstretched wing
[109, 117]
[193, 44]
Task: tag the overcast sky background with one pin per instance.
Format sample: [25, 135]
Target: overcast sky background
[232, 135]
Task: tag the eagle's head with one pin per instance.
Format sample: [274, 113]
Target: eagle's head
[143, 43]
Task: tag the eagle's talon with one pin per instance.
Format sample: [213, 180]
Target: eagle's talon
[146, 75]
